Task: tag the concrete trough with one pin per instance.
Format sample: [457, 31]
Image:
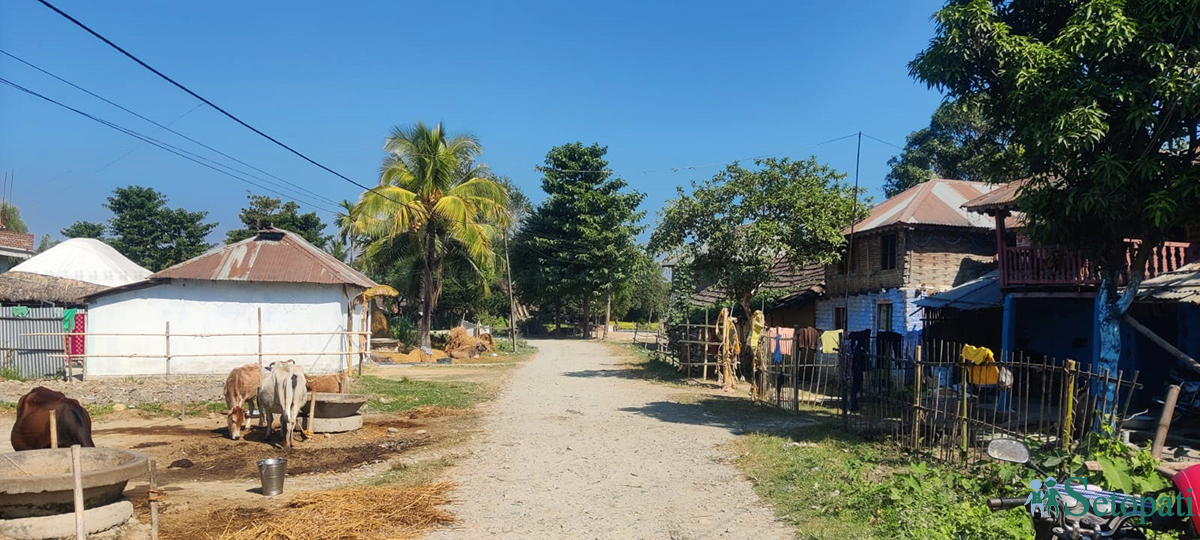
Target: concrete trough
[39, 482]
[335, 413]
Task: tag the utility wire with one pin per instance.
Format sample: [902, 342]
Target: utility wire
[165, 146]
[106, 100]
[207, 102]
[878, 140]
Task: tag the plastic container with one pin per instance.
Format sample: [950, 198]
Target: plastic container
[271, 472]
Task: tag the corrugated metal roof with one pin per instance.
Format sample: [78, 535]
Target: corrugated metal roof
[1002, 198]
[936, 202]
[783, 277]
[271, 256]
[1182, 285]
[980, 293]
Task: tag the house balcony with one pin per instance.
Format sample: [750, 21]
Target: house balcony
[1030, 266]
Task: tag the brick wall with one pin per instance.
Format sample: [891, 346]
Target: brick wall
[867, 273]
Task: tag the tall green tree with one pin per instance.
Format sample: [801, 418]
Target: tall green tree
[732, 228]
[84, 229]
[434, 197]
[152, 235]
[1104, 98]
[347, 233]
[10, 218]
[262, 212]
[958, 144]
[579, 242]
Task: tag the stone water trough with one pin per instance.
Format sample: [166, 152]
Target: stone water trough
[335, 413]
[37, 491]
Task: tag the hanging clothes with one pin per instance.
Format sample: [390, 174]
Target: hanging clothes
[777, 358]
[809, 338]
[69, 319]
[980, 374]
[830, 340]
[20, 311]
[79, 337]
[756, 330]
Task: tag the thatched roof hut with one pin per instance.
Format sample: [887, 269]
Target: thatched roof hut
[36, 289]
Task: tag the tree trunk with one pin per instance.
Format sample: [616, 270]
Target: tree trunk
[607, 313]
[427, 295]
[1111, 306]
[557, 317]
[746, 361]
[587, 317]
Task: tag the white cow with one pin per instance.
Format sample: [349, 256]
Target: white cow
[283, 391]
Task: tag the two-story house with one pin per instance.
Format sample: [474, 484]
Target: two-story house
[916, 243]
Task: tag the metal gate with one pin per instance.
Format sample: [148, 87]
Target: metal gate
[29, 356]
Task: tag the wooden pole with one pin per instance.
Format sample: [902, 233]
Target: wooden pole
[370, 316]
[349, 337]
[1164, 421]
[917, 376]
[67, 353]
[77, 472]
[705, 340]
[153, 495]
[512, 303]
[260, 355]
[168, 348]
[964, 427]
[312, 413]
[1171, 349]
[1069, 410]
[53, 428]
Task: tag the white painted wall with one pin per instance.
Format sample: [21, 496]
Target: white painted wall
[215, 307]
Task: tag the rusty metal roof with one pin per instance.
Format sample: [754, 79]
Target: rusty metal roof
[271, 256]
[936, 202]
[1182, 285]
[1002, 198]
[783, 277]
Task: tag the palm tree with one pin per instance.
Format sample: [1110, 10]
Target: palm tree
[347, 231]
[433, 193]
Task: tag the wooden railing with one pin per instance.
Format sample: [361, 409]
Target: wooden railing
[1033, 266]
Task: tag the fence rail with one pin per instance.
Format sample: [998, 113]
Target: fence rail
[924, 395]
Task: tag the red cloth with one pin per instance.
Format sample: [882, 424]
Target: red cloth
[77, 338]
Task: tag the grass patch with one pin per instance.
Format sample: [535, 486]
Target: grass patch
[830, 484]
[645, 365]
[415, 474]
[8, 407]
[398, 395]
[193, 409]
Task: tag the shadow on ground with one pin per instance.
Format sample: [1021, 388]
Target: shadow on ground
[738, 415]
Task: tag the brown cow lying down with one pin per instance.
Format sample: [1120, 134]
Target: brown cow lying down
[240, 387]
[32, 430]
[324, 383]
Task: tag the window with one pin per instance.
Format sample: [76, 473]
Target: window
[883, 317]
[887, 252]
[839, 317]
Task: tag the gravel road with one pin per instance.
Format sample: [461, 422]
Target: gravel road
[578, 448]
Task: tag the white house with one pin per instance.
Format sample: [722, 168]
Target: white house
[205, 315]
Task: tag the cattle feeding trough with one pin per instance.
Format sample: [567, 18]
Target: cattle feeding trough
[334, 413]
[37, 491]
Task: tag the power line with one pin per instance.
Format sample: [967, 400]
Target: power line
[110, 102]
[878, 140]
[155, 142]
[207, 102]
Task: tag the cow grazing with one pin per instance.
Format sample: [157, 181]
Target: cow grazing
[283, 392]
[324, 383]
[240, 387]
[32, 429]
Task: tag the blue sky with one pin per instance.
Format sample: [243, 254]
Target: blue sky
[665, 85]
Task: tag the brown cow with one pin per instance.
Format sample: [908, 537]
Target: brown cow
[324, 383]
[241, 386]
[32, 430]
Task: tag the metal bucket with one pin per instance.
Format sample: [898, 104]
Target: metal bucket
[271, 472]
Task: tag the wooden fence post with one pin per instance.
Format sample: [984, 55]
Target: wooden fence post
[705, 340]
[168, 348]
[964, 424]
[260, 352]
[53, 428]
[1164, 421]
[77, 472]
[153, 495]
[67, 353]
[796, 366]
[1069, 410]
[918, 375]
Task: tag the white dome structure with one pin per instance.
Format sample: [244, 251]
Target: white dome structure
[85, 259]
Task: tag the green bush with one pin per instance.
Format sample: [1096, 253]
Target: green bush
[403, 330]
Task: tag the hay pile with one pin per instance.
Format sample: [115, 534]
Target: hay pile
[417, 356]
[460, 344]
[359, 513]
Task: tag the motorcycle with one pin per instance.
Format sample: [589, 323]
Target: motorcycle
[1090, 513]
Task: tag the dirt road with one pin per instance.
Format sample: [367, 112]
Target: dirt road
[578, 448]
